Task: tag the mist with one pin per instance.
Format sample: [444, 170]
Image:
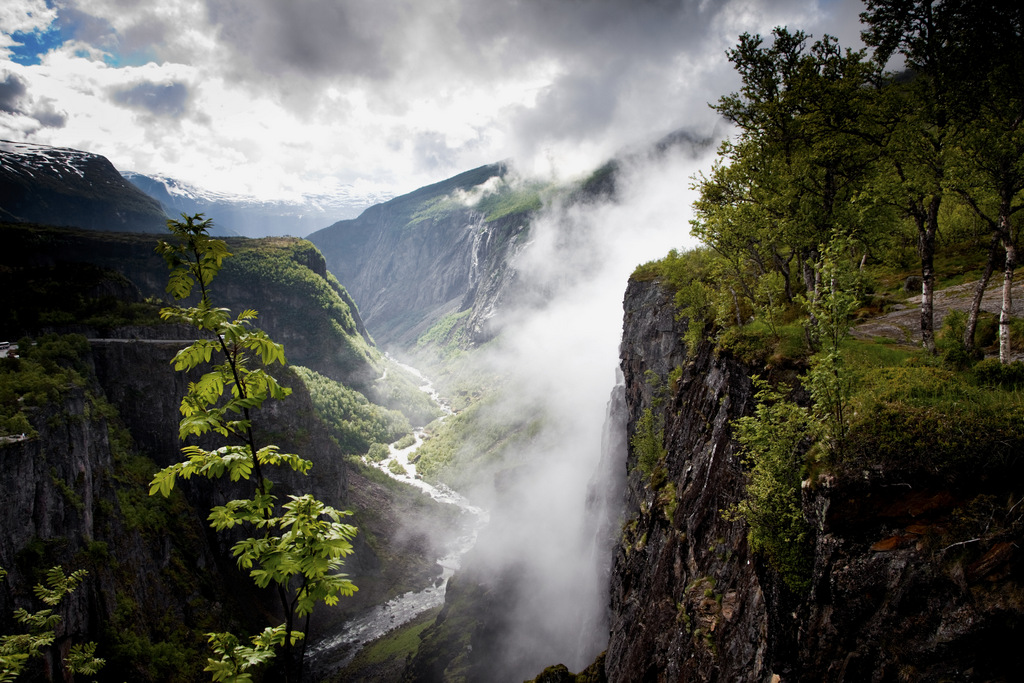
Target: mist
[559, 354]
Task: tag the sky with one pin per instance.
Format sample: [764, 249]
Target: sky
[279, 98]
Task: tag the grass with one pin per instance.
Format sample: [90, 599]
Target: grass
[448, 337]
[397, 645]
[755, 344]
[912, 415]
[472, 443]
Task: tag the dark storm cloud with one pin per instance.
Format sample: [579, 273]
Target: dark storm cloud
[86, 27]
[168, 100]
[477, 39]
[48, 116]
[606, 66]
[12, 91]
[575, 105]
[311, 38]
[15, 99]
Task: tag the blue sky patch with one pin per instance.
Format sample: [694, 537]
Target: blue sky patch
[35, 44]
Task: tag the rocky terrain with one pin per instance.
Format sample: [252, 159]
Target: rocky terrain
[895, 593]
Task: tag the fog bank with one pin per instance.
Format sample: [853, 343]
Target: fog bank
[560, 355]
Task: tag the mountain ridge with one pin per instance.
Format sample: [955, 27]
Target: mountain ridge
[69, 187]
[250, 216]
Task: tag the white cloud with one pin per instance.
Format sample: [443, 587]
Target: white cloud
[267, 96]
[23, 16]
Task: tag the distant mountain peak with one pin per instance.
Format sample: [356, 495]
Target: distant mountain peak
[254, 216]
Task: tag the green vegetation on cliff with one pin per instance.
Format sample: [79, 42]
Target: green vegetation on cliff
[839, 178]
[462, 447]
[65, 280]
[355, 423]
[45, 369]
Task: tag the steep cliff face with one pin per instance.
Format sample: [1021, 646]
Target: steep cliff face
[76, 494]
[301, 305]
[686, 601]
[916, 577]
[418, 258]
[73, 496]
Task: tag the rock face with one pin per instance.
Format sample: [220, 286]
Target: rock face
[301, 305]
[686, 601]
[76, 494]
[418, 258]
[891, 597]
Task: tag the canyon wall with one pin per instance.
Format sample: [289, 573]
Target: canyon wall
[912, 580]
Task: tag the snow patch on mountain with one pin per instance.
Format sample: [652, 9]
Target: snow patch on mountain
[26, 157]
[252, 216]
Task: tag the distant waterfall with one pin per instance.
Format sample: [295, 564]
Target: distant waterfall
[603, 512]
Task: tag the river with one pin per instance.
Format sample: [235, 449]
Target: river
[336, 650]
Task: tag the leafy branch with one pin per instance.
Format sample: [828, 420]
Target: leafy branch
[296, 547]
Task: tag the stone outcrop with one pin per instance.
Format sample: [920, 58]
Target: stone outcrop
[409, 263]
[686, 601]
[893, 597]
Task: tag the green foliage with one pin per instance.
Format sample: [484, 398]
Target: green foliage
[405, 441]
[284, 265]
[495, 199]
[950, 342]
[647, 442]
[774, 440]
[399, 390]
[46, 368]
[355, 423]
[377, 452]
[435, 209]
[397, 468]
[17, 649]
[935, 421]
[691, 277]
[755, 345]
[461, 448]
[448, 336]
[296, 547]
[235, 660]
[829, 380]
[510, 199]
[396, 646]
[993, 374]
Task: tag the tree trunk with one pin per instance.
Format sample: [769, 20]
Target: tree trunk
[1007, 307]
[807, 263]
[927, 226]
[979, 294]
[782, 265]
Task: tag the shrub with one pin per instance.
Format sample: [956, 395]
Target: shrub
[377, 452]
[950, 341]
[986, 332]
[647, 443]
[774, 441]
[991, 373]
[943, 441]
[1017, 334]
